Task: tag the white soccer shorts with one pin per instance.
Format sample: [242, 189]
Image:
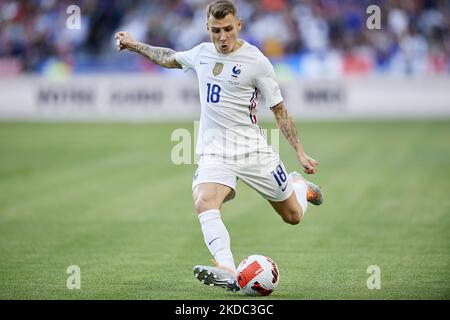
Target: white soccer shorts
[264, 172]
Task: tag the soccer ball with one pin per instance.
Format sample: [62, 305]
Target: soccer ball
[258, 275]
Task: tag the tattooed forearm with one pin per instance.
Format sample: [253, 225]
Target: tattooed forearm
[164, 57]
[286, 124]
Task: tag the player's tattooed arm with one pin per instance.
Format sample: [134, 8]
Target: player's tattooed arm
[164, 57]
[286, 124]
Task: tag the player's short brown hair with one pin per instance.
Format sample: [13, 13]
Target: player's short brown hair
[219, 9]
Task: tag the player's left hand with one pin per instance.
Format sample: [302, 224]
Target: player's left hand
[308, 163]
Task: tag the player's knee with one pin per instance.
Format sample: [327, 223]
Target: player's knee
[293, 220]
[293, 217]
[203, 204]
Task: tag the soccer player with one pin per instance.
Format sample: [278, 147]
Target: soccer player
[232, 75]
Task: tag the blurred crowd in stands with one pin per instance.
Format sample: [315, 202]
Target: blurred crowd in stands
[312, 38]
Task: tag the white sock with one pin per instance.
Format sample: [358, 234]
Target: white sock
[217, 238]
[300, 189]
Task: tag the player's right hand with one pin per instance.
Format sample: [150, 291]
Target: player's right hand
[123, 40]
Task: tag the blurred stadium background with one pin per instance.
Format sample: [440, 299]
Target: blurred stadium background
[414, 39]
[78, 190]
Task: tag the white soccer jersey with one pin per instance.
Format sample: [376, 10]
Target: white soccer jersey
[229, 86]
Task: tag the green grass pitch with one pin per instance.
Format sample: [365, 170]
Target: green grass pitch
[107, 197]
